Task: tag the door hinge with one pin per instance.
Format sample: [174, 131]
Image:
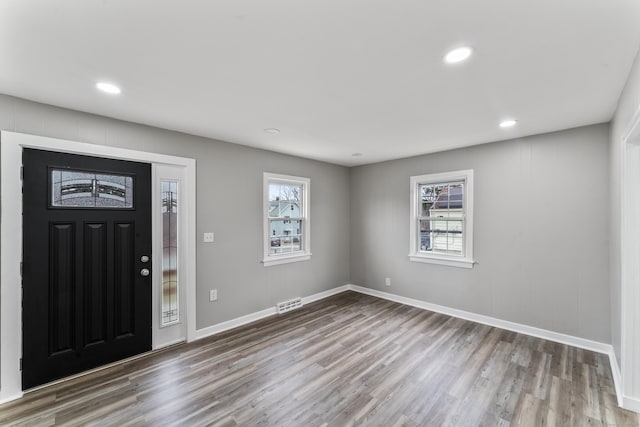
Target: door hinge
[21, 363]
[21, 269]
[21, 173]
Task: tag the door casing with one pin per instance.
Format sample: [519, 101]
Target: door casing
[627, 380]
[11, 147]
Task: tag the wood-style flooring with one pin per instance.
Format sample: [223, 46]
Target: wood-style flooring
[350, 359]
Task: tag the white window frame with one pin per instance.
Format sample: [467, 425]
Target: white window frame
[303, 255]
[415, 254]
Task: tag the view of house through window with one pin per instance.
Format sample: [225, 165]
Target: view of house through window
[285, 217]
[441, 229]
[170, 303]
[441, 218]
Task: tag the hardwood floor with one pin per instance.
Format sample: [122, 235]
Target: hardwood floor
[350, 359]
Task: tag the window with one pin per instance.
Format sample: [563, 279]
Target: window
[286, 219]
[170, 294]
[442, 218]
[84, 189]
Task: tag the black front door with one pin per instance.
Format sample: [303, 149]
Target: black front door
[86, 263]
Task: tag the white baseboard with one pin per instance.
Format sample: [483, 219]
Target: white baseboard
[631, 404]
[624, 401]
[252, 317]
[5, 399]
[617, 376]
[595, 346]
[598, 347]
[586, 344]
[233, 323]
[325, 294]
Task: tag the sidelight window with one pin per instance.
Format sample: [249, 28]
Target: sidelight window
[170, 294]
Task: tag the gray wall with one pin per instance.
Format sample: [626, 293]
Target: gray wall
[627, 106]
[540, 240]
[229, 203]
[541, 222]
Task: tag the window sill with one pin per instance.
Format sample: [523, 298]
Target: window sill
[285, 259]
[450, 262]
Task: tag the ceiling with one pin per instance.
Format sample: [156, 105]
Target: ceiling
[336, 77]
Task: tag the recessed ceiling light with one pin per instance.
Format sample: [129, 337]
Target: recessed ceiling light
[458, 55]
[508, 123]
[357, 154]
[272, 131]
[108, 88]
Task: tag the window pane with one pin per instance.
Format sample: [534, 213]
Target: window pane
[170, 306]
[440, 197]
[454, 237]
[441, 213]
[286, 236]
[285, 200]
[425, 235]
[441, 236]
[80, 189]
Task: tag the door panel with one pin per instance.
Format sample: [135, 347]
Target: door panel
[86, 224]
[95, 278]
[62, 289]
[125, 278]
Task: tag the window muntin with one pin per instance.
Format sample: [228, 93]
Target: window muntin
[169, 291]
[442, 218]
[286, 218]
[86, 189]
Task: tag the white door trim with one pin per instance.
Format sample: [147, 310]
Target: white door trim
[630, 269]
[11, 147]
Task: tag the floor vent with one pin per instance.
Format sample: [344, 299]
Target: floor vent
[292, 304]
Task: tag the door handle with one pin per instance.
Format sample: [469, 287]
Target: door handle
[144, 272]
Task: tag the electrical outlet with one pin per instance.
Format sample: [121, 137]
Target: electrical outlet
[208, 237]
[387, 281]
[213, 295]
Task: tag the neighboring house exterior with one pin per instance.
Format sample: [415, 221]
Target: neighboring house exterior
[444, 236]
[284, 230]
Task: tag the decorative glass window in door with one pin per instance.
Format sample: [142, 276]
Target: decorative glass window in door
[170, 294]
[85, 189]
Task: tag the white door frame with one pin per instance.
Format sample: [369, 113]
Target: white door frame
[630, 267]
[11, 147]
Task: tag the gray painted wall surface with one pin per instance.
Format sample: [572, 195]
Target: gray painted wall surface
[627, 106]
[229, 203]
[540, 222]
[540, 239]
